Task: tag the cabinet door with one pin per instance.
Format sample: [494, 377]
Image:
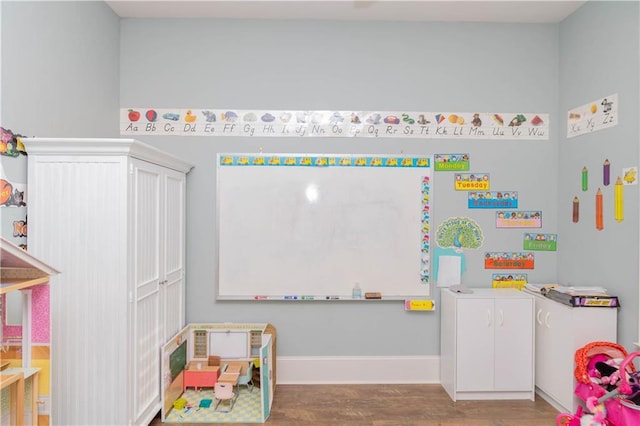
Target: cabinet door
[146, 322]
[513, 344]
[475, 351]
[556, 356]
[543, 345]
[158, 223]
[172, 256]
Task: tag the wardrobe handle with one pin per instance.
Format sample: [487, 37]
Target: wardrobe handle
[488, 317]
[538, 319]
[546, 320]
[501, 317]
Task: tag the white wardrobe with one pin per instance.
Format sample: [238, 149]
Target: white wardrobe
[110, 214]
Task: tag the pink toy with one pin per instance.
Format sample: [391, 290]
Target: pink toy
[610, 391]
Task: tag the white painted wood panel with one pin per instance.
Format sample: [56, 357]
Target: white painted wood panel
[487, 344]
[174, 253]
[68, 199]
[97, 212]
[560, 331]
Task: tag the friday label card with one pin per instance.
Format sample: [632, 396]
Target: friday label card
[540, 242]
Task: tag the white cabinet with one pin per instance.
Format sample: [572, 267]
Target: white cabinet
[486, 344]
[110, 214]
[560, 331]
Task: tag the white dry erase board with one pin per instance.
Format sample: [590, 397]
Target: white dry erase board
[293, 227]
[229, 344]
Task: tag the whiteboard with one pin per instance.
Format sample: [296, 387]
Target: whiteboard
[229, 344]
[293, 227]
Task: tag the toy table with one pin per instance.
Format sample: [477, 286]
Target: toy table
[198, 375]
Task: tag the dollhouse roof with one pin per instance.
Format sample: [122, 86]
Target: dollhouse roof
[19, 269]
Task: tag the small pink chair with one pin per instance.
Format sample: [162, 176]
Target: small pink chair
[224, 392]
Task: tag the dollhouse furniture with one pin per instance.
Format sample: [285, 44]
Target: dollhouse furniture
[110, 213]
[15, 385]
[224, 392]
[234, 368]
[198, 375]
[247, 378]
[231, 378]
[486, 344]
[240, 347]
[20, 271]
[25, 393]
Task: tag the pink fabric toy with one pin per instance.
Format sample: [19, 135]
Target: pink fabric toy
[599, 416]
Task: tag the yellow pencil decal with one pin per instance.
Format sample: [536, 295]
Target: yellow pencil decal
[618, 201]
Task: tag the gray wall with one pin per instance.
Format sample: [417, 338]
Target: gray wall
[68, 82]
[599, 46]
[60, 69]
[339, 65]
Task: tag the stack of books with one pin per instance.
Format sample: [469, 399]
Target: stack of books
[539, 288]
[582, 296]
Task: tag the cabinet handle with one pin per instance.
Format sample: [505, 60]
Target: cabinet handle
[546, 320]
[501, 317]
[488, 317]
[538, 316]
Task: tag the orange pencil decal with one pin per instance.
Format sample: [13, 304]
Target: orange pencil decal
[576, 210]
[618, 202]
[599, 218]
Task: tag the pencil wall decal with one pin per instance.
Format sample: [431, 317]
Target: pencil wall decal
[618, 202]
[606, 173]
[576, 210]
[585, 178]
[599, 218]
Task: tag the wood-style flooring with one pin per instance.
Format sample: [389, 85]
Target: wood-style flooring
[394, 405]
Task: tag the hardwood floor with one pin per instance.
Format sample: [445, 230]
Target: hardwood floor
[395, 405]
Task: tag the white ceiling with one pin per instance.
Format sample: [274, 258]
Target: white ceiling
[515, 11]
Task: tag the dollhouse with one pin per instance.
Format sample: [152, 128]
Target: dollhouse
[202, 356]
[25, 381]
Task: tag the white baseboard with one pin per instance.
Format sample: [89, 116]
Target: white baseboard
[358, 369]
